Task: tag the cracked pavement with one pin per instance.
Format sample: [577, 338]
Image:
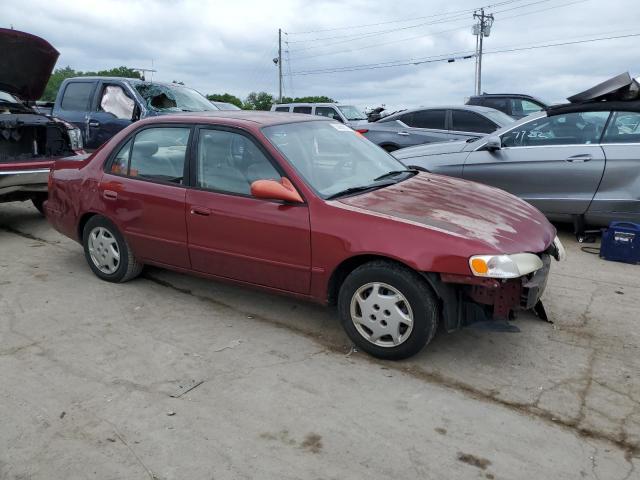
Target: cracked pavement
[89, 368]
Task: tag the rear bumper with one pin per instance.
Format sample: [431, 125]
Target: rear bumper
[30, 181]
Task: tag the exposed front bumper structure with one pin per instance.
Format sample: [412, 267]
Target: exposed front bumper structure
[468, 299]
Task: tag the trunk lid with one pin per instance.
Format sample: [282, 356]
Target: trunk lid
[499, 220]
[26, 63]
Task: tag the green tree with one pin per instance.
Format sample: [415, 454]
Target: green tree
[258, 101]
[225, 97]
[53, 85]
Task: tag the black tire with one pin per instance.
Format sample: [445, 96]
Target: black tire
[421, 298]
[390, 148]
[38, 202]
[127, 268]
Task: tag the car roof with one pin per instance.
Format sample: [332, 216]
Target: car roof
[259, 117]
[310, 104]
[126, 79]
[470, 108]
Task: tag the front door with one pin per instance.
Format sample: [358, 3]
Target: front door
[237, 236]
[143, 192]
[555, 163]
[113, 110]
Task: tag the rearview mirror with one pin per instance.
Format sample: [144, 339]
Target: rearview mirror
[274, 190]
[493, 143]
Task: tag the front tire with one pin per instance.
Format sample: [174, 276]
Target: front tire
[388, 310]
[107, 252]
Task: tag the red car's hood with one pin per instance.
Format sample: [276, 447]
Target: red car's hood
[26, 63]
[503, 222]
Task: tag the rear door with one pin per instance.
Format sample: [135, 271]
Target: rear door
[237, 236]
[555, 163]
[143, 192]
[423, 126]
[75, 103]
[619, 190]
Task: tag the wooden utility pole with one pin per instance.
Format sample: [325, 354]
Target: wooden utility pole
[481, 29]
[279, 65]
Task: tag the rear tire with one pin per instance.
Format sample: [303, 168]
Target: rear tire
[388, 310]
[107, 252]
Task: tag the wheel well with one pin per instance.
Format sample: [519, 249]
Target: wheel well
[83, 221]
[390, 147]
[345, 268]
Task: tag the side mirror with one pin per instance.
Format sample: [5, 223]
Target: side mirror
[274, 190]
[493, 143]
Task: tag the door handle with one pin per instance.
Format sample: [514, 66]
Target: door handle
[404, 134]
[110, 195]
[204, 212]
[579, 158]
[94, 124]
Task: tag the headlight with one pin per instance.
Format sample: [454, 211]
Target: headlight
[504, 266]
[75, 138]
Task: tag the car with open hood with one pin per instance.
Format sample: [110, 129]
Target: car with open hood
[305, 206]
[29, 140]
[576, 162]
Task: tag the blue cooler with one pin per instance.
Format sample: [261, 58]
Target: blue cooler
[621, 242]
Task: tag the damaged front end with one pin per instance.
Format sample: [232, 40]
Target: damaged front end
[490, 303]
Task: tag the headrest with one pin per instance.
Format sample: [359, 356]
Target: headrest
[146, 148]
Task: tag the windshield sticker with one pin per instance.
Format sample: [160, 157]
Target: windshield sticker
[341, 127]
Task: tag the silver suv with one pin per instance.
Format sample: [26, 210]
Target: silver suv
[347, 114]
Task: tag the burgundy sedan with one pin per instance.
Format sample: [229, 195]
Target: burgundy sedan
[305, 206]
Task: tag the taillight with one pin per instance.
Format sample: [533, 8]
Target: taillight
[362, 130]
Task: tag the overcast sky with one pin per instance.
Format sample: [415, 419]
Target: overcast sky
[225, 46]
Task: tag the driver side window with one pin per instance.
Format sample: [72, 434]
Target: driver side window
[580, 128]
[230, 162]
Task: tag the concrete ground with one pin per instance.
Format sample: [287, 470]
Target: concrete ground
[94, 380]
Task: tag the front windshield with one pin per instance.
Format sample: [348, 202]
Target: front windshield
[351, 112]
[332, 157]
[169, 98]
[501, 118]
[5, 97]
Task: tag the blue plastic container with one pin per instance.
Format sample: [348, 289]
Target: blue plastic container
[621, 242]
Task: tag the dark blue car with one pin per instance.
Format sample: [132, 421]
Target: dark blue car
[102, 106]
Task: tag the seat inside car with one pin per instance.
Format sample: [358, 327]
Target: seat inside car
[216, 165]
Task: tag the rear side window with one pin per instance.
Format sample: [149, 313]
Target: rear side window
[282, 109]
[523, 108]
[624, 127]
[302, 110]
[463, 121]
[425, 119]
[501, 104]
[76, 96]
[154, 154]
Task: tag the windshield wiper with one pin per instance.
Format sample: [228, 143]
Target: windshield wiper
[359, 189]
[393, 173]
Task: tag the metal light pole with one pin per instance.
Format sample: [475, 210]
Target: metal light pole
[279, 65]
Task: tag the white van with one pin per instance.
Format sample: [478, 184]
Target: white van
[347, 114]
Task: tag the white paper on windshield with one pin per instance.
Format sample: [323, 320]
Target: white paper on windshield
[341, 127]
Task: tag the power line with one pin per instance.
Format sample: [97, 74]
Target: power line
[413, 19]
[434, 33]
[451, 56]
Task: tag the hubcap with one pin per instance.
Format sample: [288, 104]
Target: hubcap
[381, 314]
[104, 250]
